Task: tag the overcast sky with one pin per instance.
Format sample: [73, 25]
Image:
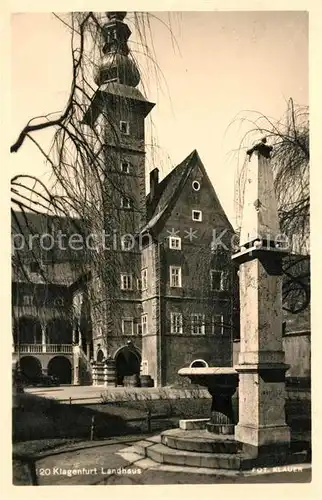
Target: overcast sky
[229, 62]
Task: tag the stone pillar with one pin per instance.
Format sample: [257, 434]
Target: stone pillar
[74, 333]
[94, 373]
[79, 333]
[262, 428]
[76, 380]
[43, 336]
[88, 350]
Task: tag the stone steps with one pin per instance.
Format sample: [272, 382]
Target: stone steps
[200, 442]
[163, 454]
[156, 451]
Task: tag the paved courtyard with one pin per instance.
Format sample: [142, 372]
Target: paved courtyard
[113, 462]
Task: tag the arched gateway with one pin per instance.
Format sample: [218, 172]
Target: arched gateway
[60, 367]
[128, 361]
[30, 367]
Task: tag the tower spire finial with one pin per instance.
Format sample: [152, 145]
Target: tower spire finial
[118, 16]
[116, 65]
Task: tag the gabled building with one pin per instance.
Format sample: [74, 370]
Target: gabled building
[187, 302]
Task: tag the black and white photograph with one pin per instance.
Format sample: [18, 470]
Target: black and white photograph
[160, 247]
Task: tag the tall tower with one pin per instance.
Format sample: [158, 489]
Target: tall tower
[117, 113]
[119, 110]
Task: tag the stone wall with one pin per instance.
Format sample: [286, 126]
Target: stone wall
[297, 346]
[178, 351]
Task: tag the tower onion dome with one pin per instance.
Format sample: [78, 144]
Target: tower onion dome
[116, 65]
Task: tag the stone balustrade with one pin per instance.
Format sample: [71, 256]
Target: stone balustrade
[44, 348]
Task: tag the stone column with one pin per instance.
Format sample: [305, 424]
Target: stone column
[94, 373]
[76, 380]
[74, 333]
[88, 350]
[43, 337]
[261, 428]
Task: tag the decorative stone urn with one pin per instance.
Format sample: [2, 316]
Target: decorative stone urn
[221, 383]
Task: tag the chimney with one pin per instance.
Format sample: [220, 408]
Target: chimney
[152, 199]
[154, 182]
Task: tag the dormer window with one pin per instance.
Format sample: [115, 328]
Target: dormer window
[125, 167]
[126, 202]
[125, 127]
[197, 215]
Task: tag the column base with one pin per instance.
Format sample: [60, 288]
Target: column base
[264, 447]
[257, 437]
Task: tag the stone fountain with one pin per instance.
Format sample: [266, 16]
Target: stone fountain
[221, 384]
[261, 438]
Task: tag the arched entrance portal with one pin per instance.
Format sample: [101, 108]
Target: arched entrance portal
[128, 361]
[100, 356]
[30, 366]
[61, 368]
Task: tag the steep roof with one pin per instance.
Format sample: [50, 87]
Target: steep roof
[38, 223]
[28, 228]
[169, 189]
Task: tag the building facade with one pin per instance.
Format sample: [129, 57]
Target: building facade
[161, 297]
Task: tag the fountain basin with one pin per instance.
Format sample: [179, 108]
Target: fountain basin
[221, 383]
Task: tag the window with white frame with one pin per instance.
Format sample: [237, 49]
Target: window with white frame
[196, 185]
[126, 202]
[197, 215]
[175, 242]
[126, 281]
[144, 279]
[219, 280]
[225, 280]
[127, 242]
[139, 327]
[28, 300]
[176, 322]
[144, 323]
[216, 280]
[218, 324]
[125, 167]
[175, 276]
[127, 326]
[197, 324]
[125, 127]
